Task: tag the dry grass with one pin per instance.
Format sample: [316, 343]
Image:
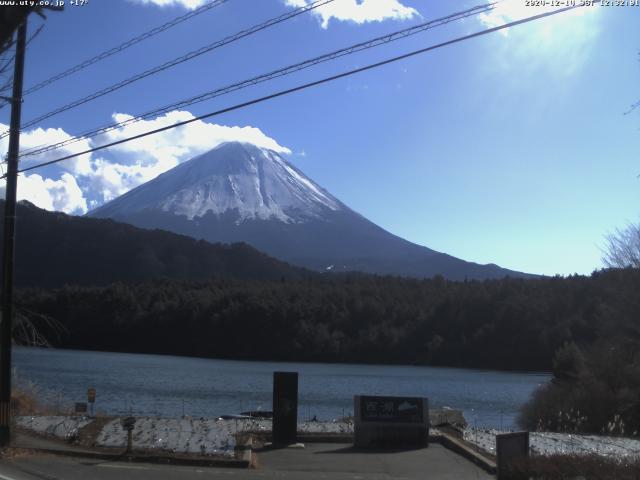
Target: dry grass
[24, 403]
[28, 400]
[11, 453]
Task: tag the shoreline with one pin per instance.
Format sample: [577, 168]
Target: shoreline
[303, 362]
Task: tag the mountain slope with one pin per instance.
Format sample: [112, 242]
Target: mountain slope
[256, 184]
[53, 249]
[240, 192]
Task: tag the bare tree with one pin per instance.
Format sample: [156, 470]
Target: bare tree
[623, 247]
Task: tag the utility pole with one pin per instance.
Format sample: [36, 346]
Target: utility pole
[6, 322]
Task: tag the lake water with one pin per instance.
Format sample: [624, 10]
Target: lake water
[170, 386]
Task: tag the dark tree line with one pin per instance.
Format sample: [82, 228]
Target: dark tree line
[53, 249]
[504, 324]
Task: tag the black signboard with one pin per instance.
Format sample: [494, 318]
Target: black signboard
[285, 407]
[511, 448]
[391, 409]
[81, 407]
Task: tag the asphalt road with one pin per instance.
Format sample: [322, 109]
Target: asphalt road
[316, 461]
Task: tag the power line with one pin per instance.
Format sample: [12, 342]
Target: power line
[399, 34]
[308, 85]
[9, 83]
[125, 45]
[632, 108]
[176, 61]
[4, 67]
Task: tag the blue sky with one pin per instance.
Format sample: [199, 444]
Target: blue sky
[512, 148]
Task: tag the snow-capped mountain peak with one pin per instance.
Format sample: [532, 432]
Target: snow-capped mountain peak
[249, 181]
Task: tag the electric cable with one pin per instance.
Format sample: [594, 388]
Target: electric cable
[387, 38]
[308, 85]
[123, 46]
[176, 61]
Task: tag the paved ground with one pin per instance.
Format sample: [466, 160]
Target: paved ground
[317, 461]
[343, 461]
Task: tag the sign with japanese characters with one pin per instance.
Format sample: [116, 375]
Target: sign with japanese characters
[390, 422]
[391, 409]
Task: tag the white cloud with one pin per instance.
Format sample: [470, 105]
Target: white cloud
[359, 11]
[63, 195]
[129, 164]
[110, 180]
[189, 4]
[39, 137]
[188, 140]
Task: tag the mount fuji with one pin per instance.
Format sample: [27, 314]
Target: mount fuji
[239, 192]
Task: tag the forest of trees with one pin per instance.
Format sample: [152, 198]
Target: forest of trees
[503, 324]
[54, 249]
